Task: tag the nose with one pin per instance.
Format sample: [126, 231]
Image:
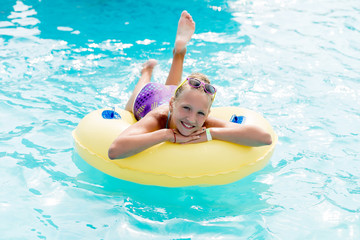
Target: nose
[192, 118]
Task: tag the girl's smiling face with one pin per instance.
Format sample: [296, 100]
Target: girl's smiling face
[189, 111]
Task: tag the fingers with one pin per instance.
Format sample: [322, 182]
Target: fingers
[189, 139]
[196, 140]
[198, 132]
[195, 137]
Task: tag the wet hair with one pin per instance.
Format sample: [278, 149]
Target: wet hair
[200, 76]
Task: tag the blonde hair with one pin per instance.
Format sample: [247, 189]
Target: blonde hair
[200, 76]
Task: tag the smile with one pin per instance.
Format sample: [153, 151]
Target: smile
[187, 126]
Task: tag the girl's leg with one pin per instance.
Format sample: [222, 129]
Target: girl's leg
[145, 78]
[186, 28]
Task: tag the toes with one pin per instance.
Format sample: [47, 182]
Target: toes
[184, 13]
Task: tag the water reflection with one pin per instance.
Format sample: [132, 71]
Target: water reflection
[204, 204]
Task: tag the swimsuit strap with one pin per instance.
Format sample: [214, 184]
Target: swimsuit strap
[167, 121]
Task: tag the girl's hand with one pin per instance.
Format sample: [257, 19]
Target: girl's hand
[199, 132]
[196, 137]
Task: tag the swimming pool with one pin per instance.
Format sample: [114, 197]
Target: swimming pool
[296, 62]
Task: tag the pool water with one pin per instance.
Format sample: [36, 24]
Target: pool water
[295, 62]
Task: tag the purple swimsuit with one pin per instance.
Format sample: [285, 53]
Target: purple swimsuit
[151, 96]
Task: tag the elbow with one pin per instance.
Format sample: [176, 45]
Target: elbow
[267, 139]
[116, 153]
[262, 137]
[262, 140]
[111, 154]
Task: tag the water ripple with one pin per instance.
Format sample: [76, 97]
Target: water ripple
[294, 62]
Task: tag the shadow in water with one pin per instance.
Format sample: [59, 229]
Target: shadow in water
[161, 203]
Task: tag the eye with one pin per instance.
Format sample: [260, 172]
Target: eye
[186, 108]
[201, 113]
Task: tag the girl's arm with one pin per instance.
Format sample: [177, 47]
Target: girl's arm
[248, 135]
[142, 135]
[138, 137]
[243, 134]
[126, 145]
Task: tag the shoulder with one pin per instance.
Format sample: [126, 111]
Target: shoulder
[157, 117]
[153, 121]
[159, 112]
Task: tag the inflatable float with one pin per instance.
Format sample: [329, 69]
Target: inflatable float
[169, 164]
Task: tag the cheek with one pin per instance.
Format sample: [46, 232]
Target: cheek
[202, 121]
[178, 114]
[181, 112]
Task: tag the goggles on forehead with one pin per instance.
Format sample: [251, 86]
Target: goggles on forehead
[196, 83]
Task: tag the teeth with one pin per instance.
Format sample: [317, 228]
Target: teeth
[188, 126]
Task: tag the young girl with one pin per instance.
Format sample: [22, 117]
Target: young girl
[178, 114]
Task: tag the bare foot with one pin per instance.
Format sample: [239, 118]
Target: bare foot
[186, 28]
[148, 66]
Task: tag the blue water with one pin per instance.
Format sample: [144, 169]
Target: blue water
[296, 62]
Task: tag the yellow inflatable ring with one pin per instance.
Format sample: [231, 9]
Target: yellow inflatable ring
[168, 164]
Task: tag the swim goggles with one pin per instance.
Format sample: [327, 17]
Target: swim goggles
[196, 83]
